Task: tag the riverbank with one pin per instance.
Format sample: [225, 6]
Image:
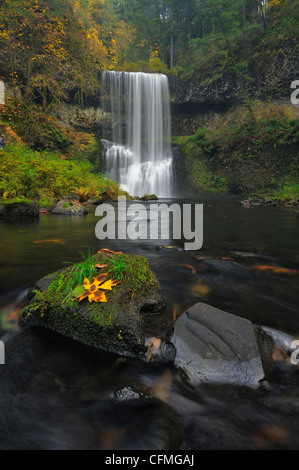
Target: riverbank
[245, 152]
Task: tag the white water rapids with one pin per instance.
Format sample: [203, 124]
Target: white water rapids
[139, 155]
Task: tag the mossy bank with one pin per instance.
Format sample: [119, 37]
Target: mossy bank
[245, 151]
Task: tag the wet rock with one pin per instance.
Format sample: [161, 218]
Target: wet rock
[66, 207]
[170, 248]
[72, 197]
[94, 202]
[251, 202]
[149, 197]
[127, 393]
[270, 202]
[16, 210]
[290, 203]
[118, 325]
[218, 347]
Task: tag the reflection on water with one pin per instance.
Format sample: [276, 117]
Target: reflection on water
[248, 266]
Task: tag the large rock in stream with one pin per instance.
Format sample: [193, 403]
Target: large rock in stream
[218, 347]
[116, 325]
[66, 207]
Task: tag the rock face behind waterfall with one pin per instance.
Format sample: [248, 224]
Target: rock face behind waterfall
[115, 326]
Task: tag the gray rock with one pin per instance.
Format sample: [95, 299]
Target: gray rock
[217, 347]
[94, 202]
[65, 207]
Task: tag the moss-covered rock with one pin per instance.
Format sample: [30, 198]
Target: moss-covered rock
[117, 325]
[15, 209]
[67, 207]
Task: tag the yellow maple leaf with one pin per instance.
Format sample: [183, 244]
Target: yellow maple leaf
[94, 290]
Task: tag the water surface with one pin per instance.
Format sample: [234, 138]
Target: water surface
[56, 394]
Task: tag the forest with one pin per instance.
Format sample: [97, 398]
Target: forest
[149, 216]
[53, 51]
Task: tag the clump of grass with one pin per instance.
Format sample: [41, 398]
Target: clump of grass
[80, 271]
[118, 267]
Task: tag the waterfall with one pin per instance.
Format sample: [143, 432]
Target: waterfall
[138, 153]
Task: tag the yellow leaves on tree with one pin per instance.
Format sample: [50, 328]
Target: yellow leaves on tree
[94, 290]
[273, 3]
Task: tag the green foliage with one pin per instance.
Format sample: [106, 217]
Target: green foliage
[45, 175]
[244, 152]
[118, 267]
[85, 269]
[287, 192]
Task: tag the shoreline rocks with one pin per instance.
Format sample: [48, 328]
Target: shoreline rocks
[252, 202]
[67, 207]
[16, 210]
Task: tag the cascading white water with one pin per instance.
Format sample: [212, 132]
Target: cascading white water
[138, 156]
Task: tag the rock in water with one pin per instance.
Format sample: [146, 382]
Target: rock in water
[66, 207]
[217, 347]
[116, 325]
[15, 210]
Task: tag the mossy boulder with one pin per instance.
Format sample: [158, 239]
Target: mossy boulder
[149, 197]
[67, 207]
[118, 325]
[17, 209]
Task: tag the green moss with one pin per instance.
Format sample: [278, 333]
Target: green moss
[15, 200]
[149, 197]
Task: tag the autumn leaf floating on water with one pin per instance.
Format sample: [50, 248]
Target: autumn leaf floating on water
[275, 269]
[189, 266]
[94, 290]
[57, 241]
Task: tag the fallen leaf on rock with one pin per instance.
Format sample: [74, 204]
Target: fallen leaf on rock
[155, 342]
[152, 343]
[100, 266]
[94, 290]
[105, 250]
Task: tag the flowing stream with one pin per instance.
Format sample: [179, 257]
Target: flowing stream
[56, 394]
[139, 155]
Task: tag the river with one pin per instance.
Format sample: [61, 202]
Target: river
[248, 266]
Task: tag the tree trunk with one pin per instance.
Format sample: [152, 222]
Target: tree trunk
[244, 22]
[171, 46]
